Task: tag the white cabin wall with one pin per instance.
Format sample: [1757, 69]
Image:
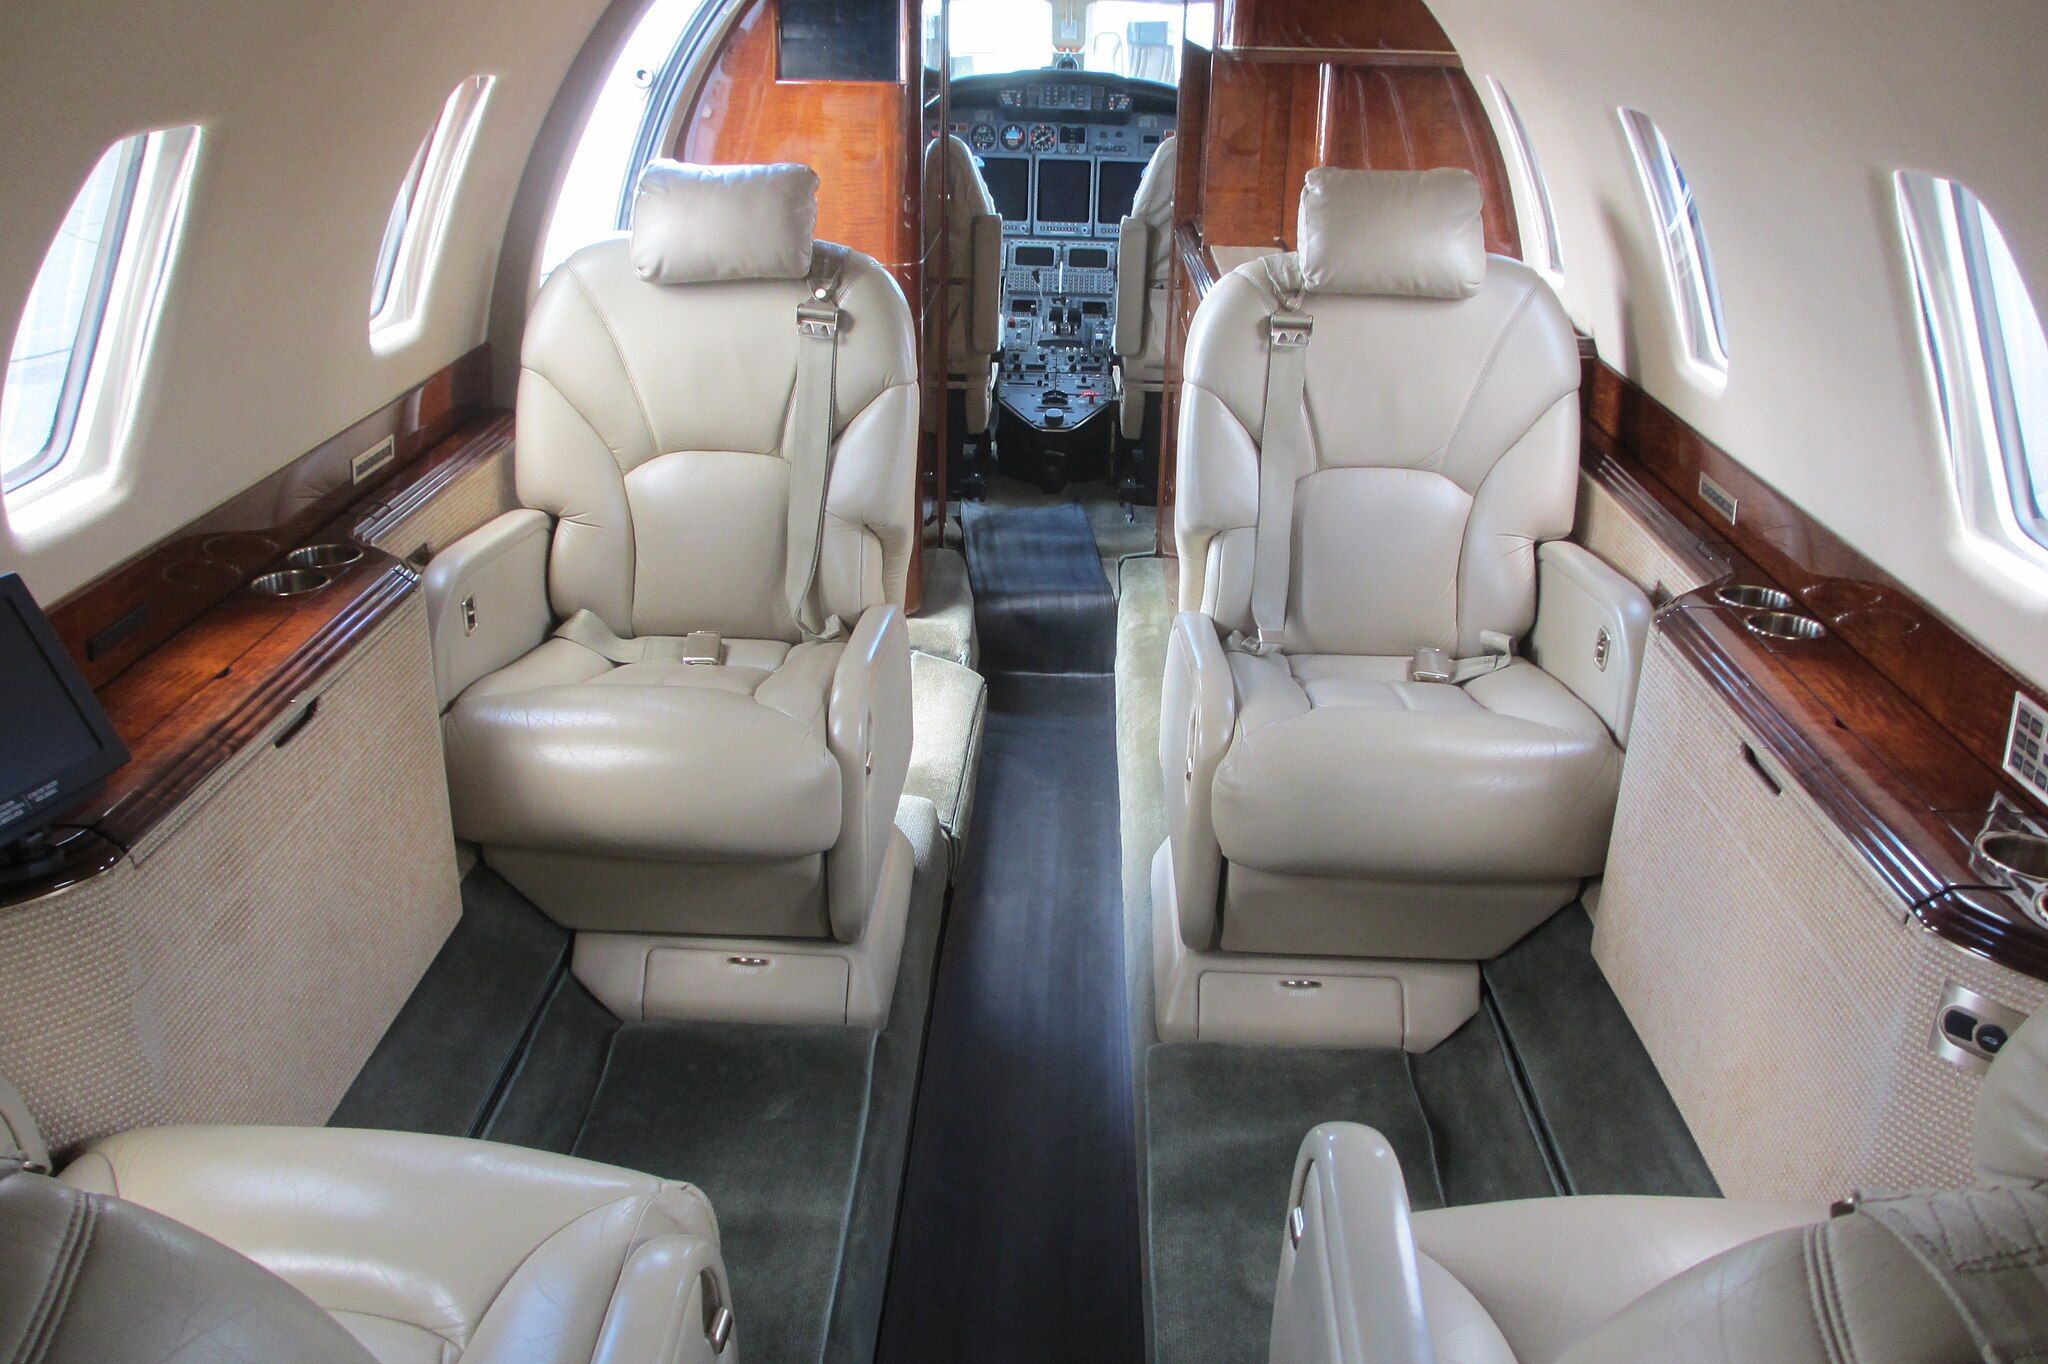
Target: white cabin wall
[1789, 122]
[312, 113]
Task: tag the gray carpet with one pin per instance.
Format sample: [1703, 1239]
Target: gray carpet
[1225, 1123]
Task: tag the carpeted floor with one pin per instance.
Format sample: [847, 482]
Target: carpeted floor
[1018, 1239]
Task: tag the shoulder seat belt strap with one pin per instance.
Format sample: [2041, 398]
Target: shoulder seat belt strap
[1281, 434]
[813, 407]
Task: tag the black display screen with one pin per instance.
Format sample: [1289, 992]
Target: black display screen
[55, 740]
[1088, 257]
[1035, 255]
[1009, 184]
[1063, 185]
[1119, 190]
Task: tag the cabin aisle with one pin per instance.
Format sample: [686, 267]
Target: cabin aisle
[1018, 1238]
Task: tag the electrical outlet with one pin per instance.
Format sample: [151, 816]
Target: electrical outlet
[2026, 745]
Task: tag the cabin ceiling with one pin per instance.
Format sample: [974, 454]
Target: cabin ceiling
[1788, 119]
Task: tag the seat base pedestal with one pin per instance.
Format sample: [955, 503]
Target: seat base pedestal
[758, 980]
[1298, 1001]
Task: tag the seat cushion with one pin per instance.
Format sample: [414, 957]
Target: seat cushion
[425, 1248]
[563, 751]
[1546, 1271]
[1340, 767]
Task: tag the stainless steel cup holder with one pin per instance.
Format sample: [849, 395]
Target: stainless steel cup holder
[1751, 597]
[2016, 853]
[290, 582]
[335, 554]
[1783, 625]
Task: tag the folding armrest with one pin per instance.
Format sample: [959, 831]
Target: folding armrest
[487, 599]
[868, 730]
[1350, 1290]
[672, 1306]
[1198, 709]
[1591, 624]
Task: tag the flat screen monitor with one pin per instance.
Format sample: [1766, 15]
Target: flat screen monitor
[56, 743]
[1035, 255]
[1063, 185]
[1088, 257]
[1009, 184]
[1119, 189]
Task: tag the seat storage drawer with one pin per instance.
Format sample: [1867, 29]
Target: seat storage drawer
[1300, 1010]
[746, 986]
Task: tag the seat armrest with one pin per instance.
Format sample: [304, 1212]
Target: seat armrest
[1350, 1290]
[672, 1306]
[1133, 247]
[868, 730]
[1591, 625]
[1197, 712]
[487, 599]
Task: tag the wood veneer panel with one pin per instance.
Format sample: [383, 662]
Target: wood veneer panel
[1965, 691]
[123, 615]
[1249, 184]
[1190, 122]
[1317, 26]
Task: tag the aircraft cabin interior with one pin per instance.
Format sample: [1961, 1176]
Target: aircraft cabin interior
[877, 681]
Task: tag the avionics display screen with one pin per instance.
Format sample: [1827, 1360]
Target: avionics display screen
[1009, 183]
[1063, 185]
[52, 747]
[1035, 255]
[1119, 189]
[1088, 257]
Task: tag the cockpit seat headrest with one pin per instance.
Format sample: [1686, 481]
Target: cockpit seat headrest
[1398, 234]
[699, 224]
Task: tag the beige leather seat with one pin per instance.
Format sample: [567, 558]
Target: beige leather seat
[974, 276]
[1929, 1277]
[657, 720]
[1144, 267]
[418, 1248]
[1335, 790]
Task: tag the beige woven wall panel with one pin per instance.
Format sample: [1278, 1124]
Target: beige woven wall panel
[245, 968]
[1784, 993]
[481, 493]
[1609, 529]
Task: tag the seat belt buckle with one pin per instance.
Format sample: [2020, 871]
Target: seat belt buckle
[818, 320]
[703, 648]
[1431, 665]
[1291, 330]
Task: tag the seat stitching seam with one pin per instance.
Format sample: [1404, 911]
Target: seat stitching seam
[1485, 371]
[619, 354]
[42, 1328]
[1465, 536]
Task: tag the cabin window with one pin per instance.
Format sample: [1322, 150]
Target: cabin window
[83, 336]
[1684, 243]
[1989, 357]
[1545, 223]
[419, 217]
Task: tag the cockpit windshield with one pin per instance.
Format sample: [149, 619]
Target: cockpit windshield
[1139, 39]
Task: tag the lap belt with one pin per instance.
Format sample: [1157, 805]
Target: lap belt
[1281, 435]
[812, 410]
[586, 629]
[1437, 665]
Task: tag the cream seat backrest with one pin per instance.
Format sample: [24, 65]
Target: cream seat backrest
[1144, 260]
[974, 252]
[1441, 424]
[655, 405]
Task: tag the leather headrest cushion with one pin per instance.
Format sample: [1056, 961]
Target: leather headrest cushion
[1403, 234]
[694, 224]
[2011, 1131]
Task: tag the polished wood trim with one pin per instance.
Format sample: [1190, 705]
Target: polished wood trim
[1353, 26]
[120, 617]
[205, 696]
[1337, 56]
[1966, 691]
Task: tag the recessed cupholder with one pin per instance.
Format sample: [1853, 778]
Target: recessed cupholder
[2015, 853]
[1751, 597]
[336, 554]
[290, 582]
[1783, 625]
